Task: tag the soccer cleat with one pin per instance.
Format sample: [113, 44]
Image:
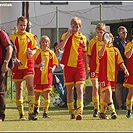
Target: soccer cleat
[72, 116]
[79, 117]
[113, 115]
[22, 117]
[36, 111]
[45, 115]
[129, 114]
[95, 114]
[32, 117]
[103, 116]
[2, 117]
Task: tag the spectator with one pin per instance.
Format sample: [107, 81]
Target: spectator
[120, 42]
[59, 73]
[5, 45]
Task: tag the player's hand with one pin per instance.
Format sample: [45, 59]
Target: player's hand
[69, 32]
[52, 69]
[18, 62]
[126, 73]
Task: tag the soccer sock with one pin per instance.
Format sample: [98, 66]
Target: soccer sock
[95, 101]
[37, 105]
[103, 106]
[20, 106]
[129, 104]
[111, 107]
[79, 106]
[71, 108]
[46, 105]
[31, 102]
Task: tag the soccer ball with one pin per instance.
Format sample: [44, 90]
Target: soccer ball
[57, 102]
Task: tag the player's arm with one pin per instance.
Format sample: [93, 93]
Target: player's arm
[101, 52]
[85, 58]
[129, 53]
[8, 56]
[62, 44]
[123, 67]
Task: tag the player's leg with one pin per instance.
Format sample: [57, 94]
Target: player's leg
[95, 97]
[37, 103]
[79, 102]
[46, 103]
[109, 101]
[70, 101]
[31, 97]
[129, 101]
[19, 99]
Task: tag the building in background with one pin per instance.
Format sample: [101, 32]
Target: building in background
[48, 16]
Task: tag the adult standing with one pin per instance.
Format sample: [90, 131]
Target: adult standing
[120, 42]
[5, 44]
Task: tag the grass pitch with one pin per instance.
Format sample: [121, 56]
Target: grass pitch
[60, 121]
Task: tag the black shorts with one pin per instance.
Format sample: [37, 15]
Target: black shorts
[120, 77]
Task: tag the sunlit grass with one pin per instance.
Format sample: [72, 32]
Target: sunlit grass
[60, 121]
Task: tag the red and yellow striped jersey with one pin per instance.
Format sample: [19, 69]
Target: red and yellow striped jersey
[73, 50]
[129, 62]
[22, 42]
[109, 64]
[93, 47]
[50, 60]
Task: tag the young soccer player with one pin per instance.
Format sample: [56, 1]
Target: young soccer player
[93, 47]
[110, 59]
[45, 64]
[24, 66]
[128, 83]
[75, 63]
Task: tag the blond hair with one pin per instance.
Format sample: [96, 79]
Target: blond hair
[101, 26]
[44, 37]
[121, 28]
[76, 21]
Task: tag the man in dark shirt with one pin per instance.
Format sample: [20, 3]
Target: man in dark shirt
[120, 42]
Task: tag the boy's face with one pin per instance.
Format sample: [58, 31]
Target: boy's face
[75, 28]
[100, 34]
[22, 26]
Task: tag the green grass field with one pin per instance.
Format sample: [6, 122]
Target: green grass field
[60, 121]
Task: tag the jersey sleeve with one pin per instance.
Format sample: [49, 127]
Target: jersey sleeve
[90, 46]
[128, 47]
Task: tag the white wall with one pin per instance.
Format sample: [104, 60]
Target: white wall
[44, 16]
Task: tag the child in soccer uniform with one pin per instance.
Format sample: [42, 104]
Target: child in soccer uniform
[45, 64]
[75, 63]
[93, 47]
[110, 59]
[128, 83]
[24, 66]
